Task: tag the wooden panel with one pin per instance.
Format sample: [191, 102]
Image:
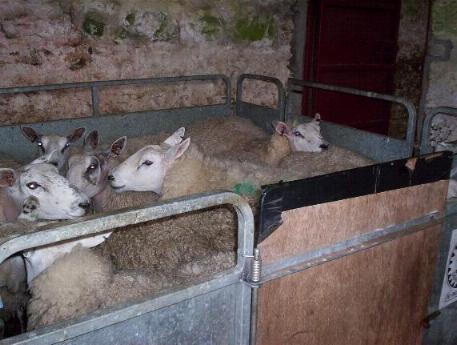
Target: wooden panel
[377, 296]
[321, 225]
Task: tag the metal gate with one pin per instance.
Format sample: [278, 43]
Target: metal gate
[214, 312]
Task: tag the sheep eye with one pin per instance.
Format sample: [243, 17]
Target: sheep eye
[147, 163]
[33, 185]
[54, 163]
[92, 167]
[40, 145]
[65, 147]
[298, 134]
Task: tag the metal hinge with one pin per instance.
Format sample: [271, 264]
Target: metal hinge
[253, 269]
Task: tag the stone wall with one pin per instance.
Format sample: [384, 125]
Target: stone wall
[442, 85]
[412, 36]
[57, 41]
[441, 78]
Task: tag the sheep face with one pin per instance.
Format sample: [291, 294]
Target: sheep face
[305, 137]
[53, 143]
[88, 171]
[57, 199]
[146, 169]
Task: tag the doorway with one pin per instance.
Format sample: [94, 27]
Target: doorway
[351, 43]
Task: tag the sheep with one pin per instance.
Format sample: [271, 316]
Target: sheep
[84, 281]
[49, 143]
[13, 292]
[443, 134]
[238, 139]
[37, 182]
[43, 181]
[88, 173]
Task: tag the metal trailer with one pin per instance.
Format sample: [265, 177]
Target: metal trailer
[242, 306]
[441, 324]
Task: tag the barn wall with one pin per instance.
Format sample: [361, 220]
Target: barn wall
[442, 76]
[56, 41]
[412, 36]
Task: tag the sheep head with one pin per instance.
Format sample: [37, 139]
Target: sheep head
[146, 169]
[305, 137]
[53, 143]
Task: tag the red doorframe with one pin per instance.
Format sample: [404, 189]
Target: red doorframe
[351, 43]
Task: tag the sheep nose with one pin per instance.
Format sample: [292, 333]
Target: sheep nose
[324, 146]
[111, 178]
[84, 205]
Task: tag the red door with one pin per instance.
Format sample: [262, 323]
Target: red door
[352, 43]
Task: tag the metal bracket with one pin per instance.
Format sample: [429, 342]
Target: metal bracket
[253, 269]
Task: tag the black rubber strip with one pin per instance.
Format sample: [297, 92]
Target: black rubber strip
[347, 184]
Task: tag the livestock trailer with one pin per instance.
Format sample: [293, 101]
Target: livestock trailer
[340, 258]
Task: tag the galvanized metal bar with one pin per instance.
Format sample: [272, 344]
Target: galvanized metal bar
[280, 88]
[107, 83]
[395, 99]
[425, 146]
[94, 94]
[368, 240]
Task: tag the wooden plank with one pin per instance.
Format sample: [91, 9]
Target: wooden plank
[321, 225]
[378, 296]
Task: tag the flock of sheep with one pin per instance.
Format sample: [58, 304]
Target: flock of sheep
[68, 181]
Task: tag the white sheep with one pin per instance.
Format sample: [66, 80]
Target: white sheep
[236, 138]
[52, 142]
[84, 281]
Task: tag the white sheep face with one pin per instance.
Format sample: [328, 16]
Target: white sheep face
[57, 199]
[53, 143]
[305, 137]
[146, 169]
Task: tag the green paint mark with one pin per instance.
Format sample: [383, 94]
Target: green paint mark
[444, 17]
[254, 28]
[93, 25]
[245, 188]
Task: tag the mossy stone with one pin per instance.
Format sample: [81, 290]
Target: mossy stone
[211, 25]
[130, 18]
[254, 28]
[93, 25]
[444, 17]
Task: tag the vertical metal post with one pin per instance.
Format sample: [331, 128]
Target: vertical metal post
[94, 94]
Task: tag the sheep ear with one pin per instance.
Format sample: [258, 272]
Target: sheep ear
[30, 134]
[118, 146]
[281, 128]
[174, 152]
[91, 140]
[7, 177]
[76, 135]
[176, 137]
